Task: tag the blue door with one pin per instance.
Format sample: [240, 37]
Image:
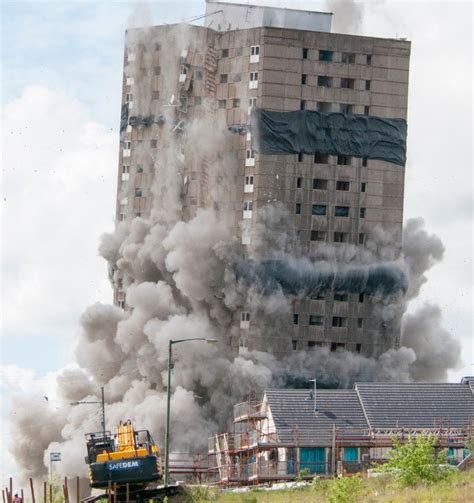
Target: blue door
[290, 464]
[313, 459]
[350, 454]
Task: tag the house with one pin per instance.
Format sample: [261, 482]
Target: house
[321, 431]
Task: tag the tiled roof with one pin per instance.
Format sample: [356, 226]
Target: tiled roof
[416, 405]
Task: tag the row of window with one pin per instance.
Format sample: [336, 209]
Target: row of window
[321, 210]
[341, 160]
[336, 321]
[322, 184]
[335, 346]
[338, 236]
[329, 56]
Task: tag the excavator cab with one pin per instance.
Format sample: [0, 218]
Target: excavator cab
[126, 457]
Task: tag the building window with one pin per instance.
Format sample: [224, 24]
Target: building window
[348, 57]
[364, 162]
[337, 346]
[249, 180]
[369, 59]
[358, 348]
[344, 108]
[363, 186]
[305, 52]
[248, 205]
[360, 322]
[298, 209]
[128, 97]
[221, 104]
[320, 184]
[324, 107]
[155, 95]
[342, 185]
[252, 105]
[362, 212]
[237, 77]
[254, 54]
[316, 320]
[299, 182]
[341, 237]
[324, 81]
[198, 75]
[138, 192]
[300, 157]
[321, 158]
[347, 83]
[198, 100]
[236, 103]
[340, 297]
[139, 168]
[367, 85]
[253, 80]
[294, 344]
[343, 160]
[296, 319]
[361, 238]
[366, 110]
[318, 235]
[318, 296]
[313, 344]
[325, 55]
[154, 143]
[244, 319]
[125, 173]
[304, 79]
[302, 104]
[157, 70]
[223, 78]
[361, 298]
[318, 209]
[341, 211]
[225, 53]
[339, 321]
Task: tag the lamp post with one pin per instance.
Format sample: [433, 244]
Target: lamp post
[168, 400]
[102, 403]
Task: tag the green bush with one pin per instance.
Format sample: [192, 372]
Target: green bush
[198, 494]
[345, 489]
[319, 484]
[305, 472]
[416, 461]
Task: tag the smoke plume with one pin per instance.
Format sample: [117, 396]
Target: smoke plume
[181, 283]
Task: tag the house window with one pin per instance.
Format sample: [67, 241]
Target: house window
[125, 173]
[225, 53]
[155, 95]
[366, 110]
[318, 235]
[348, 57]
[249, 180]
[302, 104]
[299, 182]
[321, 158]
[296, 319]
[248, 205]
[340, 297]
[316, 320]
[325, 55]
[157, 70]
[318, 209]
[362, 212]
[254, 54]
[300, 157]
[347, 83]
[320, 184]
[369, 59]
[154, 143]
[139, 168]
[344, 108]
[313, 344]
[341, 237]
[249, 157]
[343, 160]
[367, 85]
[253, 79]
[324, 107]
[361, 238]
[128, 145]
[358, 348]
[298, 208]
[221, 104]
[244, 319]
[252, 103]
[335, 346]
[360, 322]
[304, 79]
[236, 103]
[305, 53]
[122, 217]
[339, 321]
[363, 186]
[128, 97]
[342, 185]
[361, 298]
[364, 162]
[324, 81]
[294, 344]
[138, 192]
[341, 211]
[223, 78]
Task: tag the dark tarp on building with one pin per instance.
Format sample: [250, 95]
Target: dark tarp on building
[311, 132]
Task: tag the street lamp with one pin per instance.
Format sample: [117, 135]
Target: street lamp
[168, 404]
[102, 403]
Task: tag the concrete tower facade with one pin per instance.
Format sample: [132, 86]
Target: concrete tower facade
[248, 57]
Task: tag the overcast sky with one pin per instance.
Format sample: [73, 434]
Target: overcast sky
[61, 85]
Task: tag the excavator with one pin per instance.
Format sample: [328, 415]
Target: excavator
[127, 464]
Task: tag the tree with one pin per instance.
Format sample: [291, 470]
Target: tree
[416, 460]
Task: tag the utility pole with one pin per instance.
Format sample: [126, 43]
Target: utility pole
[101, 403]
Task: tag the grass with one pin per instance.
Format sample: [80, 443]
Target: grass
[459, 488]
